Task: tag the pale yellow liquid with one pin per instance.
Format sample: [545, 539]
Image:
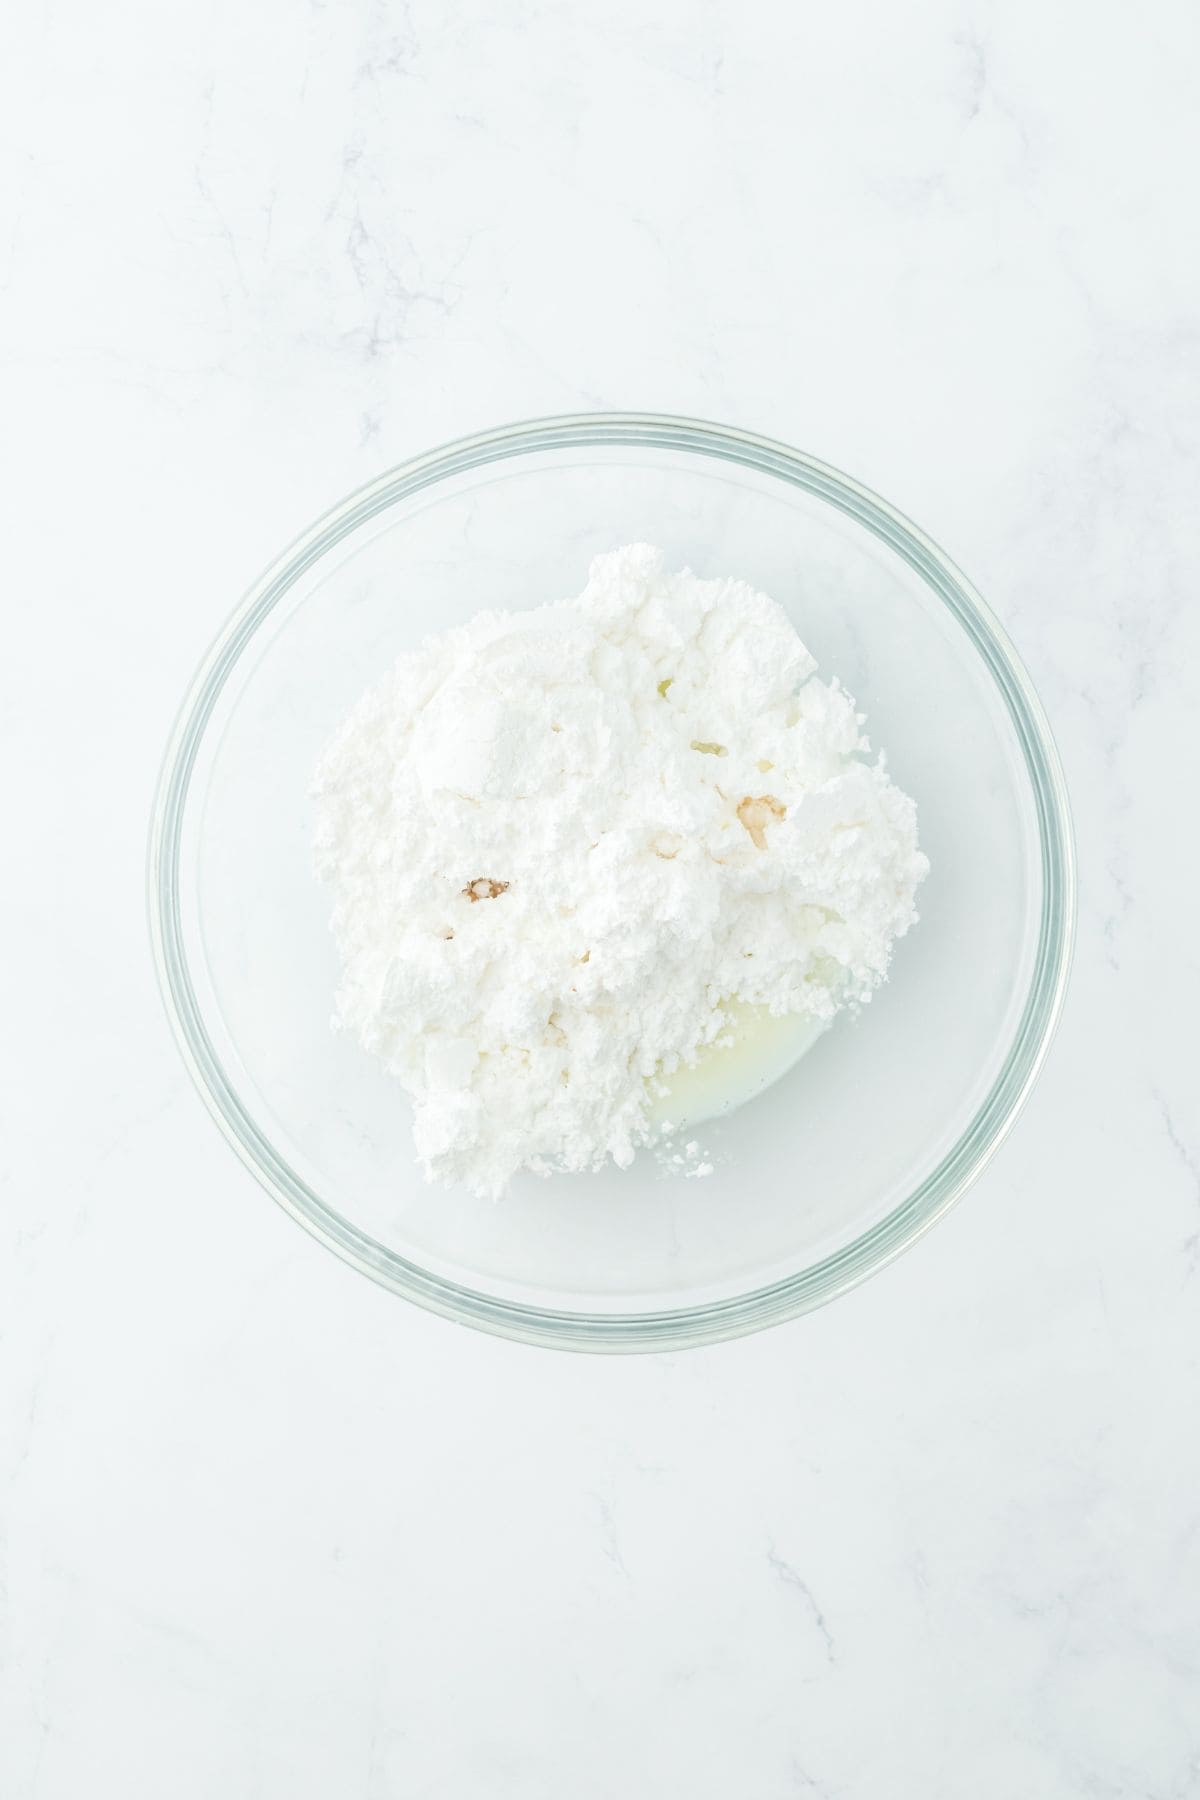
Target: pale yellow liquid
[728, 1074]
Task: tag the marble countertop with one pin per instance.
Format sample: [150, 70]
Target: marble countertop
[268, 1533]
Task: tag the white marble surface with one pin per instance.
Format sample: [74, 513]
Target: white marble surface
[266, 1532]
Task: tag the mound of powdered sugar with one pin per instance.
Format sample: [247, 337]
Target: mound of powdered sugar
[559, 839]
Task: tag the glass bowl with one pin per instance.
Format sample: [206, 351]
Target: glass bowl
[848, 1158]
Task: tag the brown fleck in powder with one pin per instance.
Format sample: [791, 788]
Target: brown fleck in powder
[484, 889]
[757, 813]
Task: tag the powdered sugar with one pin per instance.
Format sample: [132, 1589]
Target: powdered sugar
[559, 839]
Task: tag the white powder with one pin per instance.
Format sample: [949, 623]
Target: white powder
[560, 839]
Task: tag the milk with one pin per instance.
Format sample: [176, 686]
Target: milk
[725, 1075]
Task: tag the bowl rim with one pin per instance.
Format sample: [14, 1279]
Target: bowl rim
[675, 1327]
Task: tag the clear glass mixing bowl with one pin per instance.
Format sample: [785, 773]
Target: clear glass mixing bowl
[870, 1137]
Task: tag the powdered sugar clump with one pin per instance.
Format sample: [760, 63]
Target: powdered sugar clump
[559, 839]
